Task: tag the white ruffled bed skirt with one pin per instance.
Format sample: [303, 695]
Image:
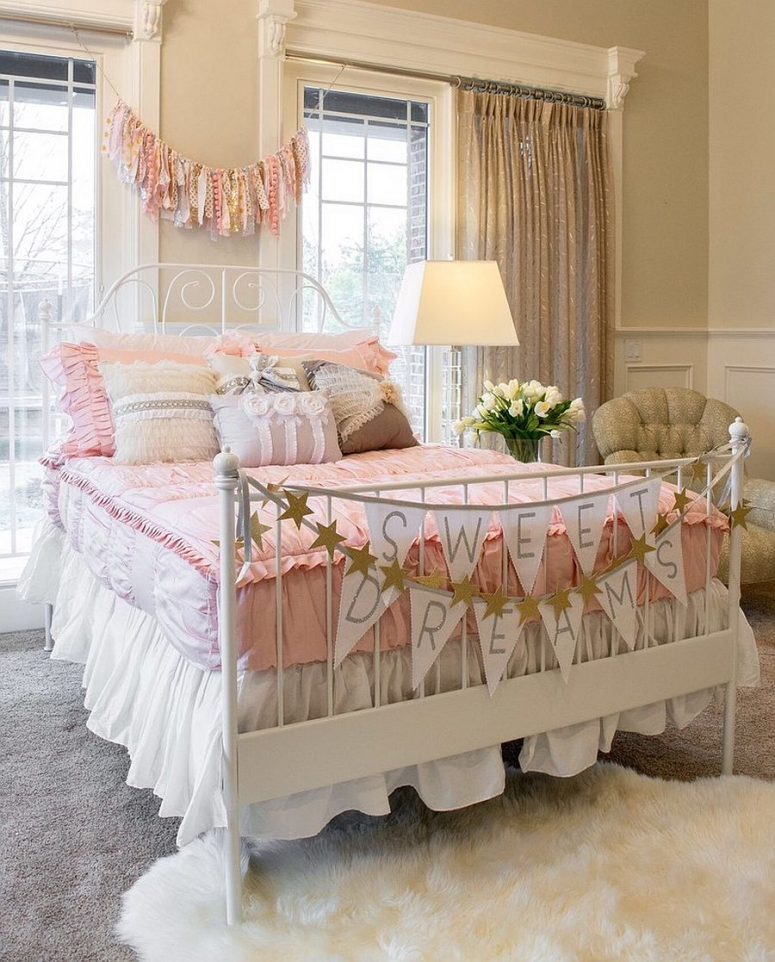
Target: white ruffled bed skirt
[141, 693]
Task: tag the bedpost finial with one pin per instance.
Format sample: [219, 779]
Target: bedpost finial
[225, 463]
[738, 430]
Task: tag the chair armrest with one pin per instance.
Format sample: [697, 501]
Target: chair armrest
[761, 495]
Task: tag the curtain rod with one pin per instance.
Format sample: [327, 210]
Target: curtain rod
[466, 83]
[68, 24]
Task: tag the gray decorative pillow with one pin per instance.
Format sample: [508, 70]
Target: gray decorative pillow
[368, 409]
[283, 428]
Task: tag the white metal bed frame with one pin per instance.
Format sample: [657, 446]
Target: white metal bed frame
[265, 764]
[262, 765]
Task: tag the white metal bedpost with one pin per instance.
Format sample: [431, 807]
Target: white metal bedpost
[738, 433]
[226, 467]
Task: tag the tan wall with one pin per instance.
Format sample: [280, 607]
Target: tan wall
[665, 136]
[208, 110]
[742, 146]
[208, 107]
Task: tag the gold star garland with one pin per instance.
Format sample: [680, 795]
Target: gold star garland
[737, 518]
[297, 509]
[465, 591]
[328, 538]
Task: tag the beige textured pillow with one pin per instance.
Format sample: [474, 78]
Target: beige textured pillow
[161, 412]
[368, 410]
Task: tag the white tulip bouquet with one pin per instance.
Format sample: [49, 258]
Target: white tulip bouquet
[523, 413]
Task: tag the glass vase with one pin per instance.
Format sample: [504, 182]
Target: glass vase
[526, 450]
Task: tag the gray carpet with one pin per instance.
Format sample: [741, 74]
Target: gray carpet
[73, 836]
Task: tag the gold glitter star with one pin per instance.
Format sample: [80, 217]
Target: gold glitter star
[257, 530]
[739, 515]
[589, 588]
[395, 576]
[436, 579]
[662, 525]
[496, 602]
[297, 508]
[464, 591]
[682, 499]
[276, 487]
[560, 601]
[528, 609]
[640, 549]
[328, 538]
[239, 544]
[360, 560]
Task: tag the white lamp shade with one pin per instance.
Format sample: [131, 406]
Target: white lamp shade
[453, 302]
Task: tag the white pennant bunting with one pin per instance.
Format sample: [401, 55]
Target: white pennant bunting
[462, 535]
[584, 519]
[433, 621]
[524, 531]
[619, 600]
[498, 636]
[564, 630]
[360, 606]
[666, 563]
[639, 504]
[393, 530]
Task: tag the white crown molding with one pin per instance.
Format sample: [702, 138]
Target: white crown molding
[148, 20]
[97, 14]
[387, 36]
[621, 73]
[273, 18]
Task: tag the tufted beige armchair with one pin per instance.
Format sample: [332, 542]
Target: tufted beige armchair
[678, 422]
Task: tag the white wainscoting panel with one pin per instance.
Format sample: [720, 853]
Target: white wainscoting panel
[660, 357]
[640, 376]
[741, 371]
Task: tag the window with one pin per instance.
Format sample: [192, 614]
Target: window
[380, 197]
[47, 230]
[366, 213]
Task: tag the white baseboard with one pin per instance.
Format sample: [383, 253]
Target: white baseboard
[15, 614]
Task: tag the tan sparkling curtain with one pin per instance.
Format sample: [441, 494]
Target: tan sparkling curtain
[534, 194]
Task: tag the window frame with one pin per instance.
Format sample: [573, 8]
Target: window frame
[123, 235]
[441, 210]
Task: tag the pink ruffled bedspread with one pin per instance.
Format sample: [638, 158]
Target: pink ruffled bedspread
[148, 533]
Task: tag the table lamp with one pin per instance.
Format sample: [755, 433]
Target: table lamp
[453, 303]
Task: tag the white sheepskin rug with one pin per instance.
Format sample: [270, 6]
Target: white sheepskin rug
[609, 866]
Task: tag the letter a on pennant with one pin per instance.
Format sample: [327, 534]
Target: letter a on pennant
[462, 535]
[393, 530]
[584, 519]
[638, 503]
[498, 636]
[564, 630]
[360, 606]
[524, 530]
[666, 563]
[433, 621]
[619, 600]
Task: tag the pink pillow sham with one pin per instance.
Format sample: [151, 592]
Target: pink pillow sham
[367, 356]
[74, 370]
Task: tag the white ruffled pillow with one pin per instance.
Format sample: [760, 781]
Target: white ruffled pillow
[161, 412]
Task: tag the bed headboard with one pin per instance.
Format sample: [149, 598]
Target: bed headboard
[213, 298]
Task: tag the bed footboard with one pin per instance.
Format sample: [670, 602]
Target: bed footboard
[299, 756]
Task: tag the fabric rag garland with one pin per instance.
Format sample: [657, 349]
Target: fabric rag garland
[227, 200]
